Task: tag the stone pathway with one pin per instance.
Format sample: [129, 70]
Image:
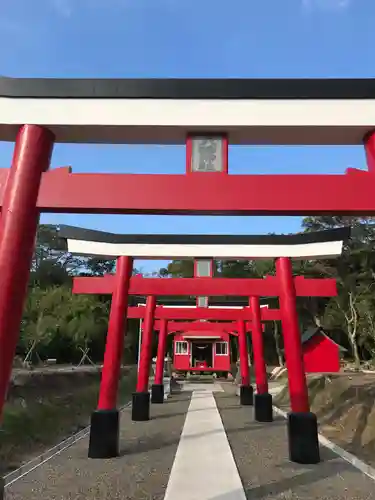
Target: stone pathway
[204, 466]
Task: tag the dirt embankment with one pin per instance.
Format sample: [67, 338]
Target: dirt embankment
[44, 408]
[345, 407]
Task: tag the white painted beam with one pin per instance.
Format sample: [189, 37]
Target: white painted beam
[322, 250]
[168, 121]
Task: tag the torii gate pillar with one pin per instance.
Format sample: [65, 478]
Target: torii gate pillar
[104, 429]
[302, 424]
[246, 389]
[141, 398]
[263, 411]
[18, 227]
[157, 389]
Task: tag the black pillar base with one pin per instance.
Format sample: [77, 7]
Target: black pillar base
[104, 434]
[141, 406]
[157, 393]
[263, 411]
[2, 493]
[303, 438]
[246, 395]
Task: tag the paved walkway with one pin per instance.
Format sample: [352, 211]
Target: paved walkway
[204, 453]
[200, 444]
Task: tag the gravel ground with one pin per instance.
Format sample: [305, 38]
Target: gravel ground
[345, 406]
[140, 473]
[261, 454]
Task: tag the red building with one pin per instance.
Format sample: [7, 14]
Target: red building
[201, 352]
[320, 353]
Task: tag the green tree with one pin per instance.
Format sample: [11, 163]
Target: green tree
[85, 320]
[51, 263]
[355, 275]
[178, 269]
[99, 267]
[39, 323]
[55, 316]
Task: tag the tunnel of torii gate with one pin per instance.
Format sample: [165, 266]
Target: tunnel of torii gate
[174, 325]
[36, 113]
[283, 285]
[172, 315]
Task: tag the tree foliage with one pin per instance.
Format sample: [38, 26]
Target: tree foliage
[350, 317]
[58, 324]
[55, 322]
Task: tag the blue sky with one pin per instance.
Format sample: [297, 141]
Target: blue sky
[191, 38]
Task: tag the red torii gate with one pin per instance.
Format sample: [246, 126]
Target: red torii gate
[241, 287]
[283, 285]
[28, 189]
[62, 191]
[262, 406]
[198, 326]
[233, 328]
[206, 313]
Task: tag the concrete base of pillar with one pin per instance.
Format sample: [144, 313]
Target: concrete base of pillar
[246, 395]
[263, 411]
[141, 407]
[104, 434]
[303, 438]
[157, 393]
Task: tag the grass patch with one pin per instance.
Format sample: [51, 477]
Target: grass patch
[34, 421]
